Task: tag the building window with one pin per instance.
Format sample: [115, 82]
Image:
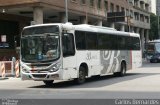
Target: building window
[142, 4]
[136, 16]
[122, 9]
[117, 9]
[99, 4]
[141, 17]
[83, 1]
[112, 7]
[130, 2]
[136, 3]
[74, 1]
[131, 13]
[127, 12]
[106, 5]
[92, 3]
[147, 7]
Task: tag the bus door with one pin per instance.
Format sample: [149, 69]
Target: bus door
[69, 58]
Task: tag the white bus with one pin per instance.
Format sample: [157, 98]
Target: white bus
[64, 51]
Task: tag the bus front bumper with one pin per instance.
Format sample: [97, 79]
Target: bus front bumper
[40, 76]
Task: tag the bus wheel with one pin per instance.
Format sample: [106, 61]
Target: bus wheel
[123, 69]
[82, 76]
[48, 82]
[122, 72]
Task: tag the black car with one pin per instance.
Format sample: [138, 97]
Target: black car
[155, 58]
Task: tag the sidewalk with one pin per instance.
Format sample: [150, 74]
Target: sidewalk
[3, 78]
[7, 76]
[144, 61]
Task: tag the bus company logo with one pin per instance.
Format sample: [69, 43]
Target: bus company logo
[111, 58]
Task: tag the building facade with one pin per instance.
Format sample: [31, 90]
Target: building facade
[15, 14]
[158, 7]
[141, 19]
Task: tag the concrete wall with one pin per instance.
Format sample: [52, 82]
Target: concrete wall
[15, 2]
[74, 7]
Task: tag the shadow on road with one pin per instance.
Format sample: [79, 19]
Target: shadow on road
[96, 82]
[147, 64]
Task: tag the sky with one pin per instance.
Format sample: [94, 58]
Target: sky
[153, 6]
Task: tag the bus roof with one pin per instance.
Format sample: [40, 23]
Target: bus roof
[38, 25]
[155, 41]
[86, 27]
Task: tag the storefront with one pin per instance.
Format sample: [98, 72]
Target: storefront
[9, 31]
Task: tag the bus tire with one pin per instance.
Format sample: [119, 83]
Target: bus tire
[82, 75]
[48, 82]
[122, 71]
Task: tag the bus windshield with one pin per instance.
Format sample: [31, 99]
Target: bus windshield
[150, 48]
[157, 47]
[40, 47]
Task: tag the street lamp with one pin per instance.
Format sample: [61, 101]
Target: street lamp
[66, 10]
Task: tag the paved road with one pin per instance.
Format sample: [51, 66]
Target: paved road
[140, 83]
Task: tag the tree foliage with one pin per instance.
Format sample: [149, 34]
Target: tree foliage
[154, 27]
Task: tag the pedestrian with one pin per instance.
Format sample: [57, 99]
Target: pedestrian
[14, 62]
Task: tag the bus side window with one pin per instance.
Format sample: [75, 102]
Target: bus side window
[68, 44]
[80, 38]
[136, 43]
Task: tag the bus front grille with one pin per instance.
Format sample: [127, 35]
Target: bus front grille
[39, 75]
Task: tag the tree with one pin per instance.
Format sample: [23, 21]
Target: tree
[154, 27]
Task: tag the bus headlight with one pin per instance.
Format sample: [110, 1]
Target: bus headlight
[55, 67]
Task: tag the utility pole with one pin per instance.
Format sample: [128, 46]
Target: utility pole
[128, 23]
[66, 10]
[158, 26]
[86, 12]
[129, 17]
